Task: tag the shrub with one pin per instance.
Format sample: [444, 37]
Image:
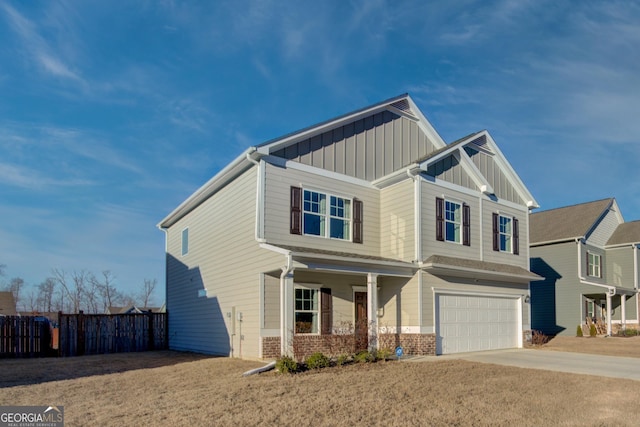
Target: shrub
[342, 359]
[579, 331]
[385, 353]
[317, 360]
[592, 330]
[538, 338]
[364, 357]
[286, 365]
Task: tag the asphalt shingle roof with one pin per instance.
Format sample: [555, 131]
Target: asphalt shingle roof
[628, 232]
[565, 223]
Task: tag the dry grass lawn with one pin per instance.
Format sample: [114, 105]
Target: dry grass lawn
[608, 346]
[181, 389]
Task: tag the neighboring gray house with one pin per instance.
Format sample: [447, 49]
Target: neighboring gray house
[366, 220]
[588, 256]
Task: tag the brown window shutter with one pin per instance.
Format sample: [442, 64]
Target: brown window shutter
[516, 237]
[357, 221]
[466, 225]
[496, 232]
[601, 266]
[440, 219]
[587, 264]
[296, 210]
[326, 313]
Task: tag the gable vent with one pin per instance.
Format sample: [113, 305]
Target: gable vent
[480, 142]
[402, 105]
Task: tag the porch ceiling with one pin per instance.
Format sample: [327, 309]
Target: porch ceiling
[441, 265]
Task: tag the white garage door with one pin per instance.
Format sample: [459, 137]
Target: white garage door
[476, 323]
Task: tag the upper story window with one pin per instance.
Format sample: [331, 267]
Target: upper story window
[334, 222]
[505, 234]
[319, 214]
[453, 221]
[594, 268]
[185, 241]
[452, 218]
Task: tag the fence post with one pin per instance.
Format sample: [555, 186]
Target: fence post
[80, 336]
[151, 331]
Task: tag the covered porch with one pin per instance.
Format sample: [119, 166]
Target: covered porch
[330, 302]
[608, 305]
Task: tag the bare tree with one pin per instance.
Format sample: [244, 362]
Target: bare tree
[15, 286]
[73, 287]
[146, 292]
[46, 292]
[109, 295]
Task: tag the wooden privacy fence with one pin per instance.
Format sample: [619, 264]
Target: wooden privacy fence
[111, 333]
[25, 336]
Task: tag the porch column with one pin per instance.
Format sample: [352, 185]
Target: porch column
[372, 310]
[287, 322]
[623, 311]
[608, 313]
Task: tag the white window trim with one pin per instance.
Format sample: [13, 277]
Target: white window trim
[444, 208]
[327, 215]
[182, 245]
[510, 234]
[308, 286]
[598, 265]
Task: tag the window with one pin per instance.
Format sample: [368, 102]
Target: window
[341, 219]
[591, 309]
[594, 265]
[185, 241]
[505, 233]
[506, 237]
[306, 311]
[452, 221]
[334, 222]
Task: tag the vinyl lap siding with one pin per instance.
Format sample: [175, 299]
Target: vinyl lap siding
[398, 301]
[521, 260]
[225, 259]
[277, 210]
[605, 228]
[397, 219]
[368, 148]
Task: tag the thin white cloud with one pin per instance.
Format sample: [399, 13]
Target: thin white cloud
[31, 179]
[38, 48]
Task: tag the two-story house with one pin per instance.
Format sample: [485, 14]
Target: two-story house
[588, 256]
[368, 220]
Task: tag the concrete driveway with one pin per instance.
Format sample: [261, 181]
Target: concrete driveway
[576, 363]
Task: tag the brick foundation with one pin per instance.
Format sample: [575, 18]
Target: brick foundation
[335, 345]
[270, 347]
[416, 344]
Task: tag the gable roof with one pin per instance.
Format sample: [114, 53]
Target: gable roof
[627, 232]
[7, 304]
[566, 223]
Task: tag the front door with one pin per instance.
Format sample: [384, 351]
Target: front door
[362, 324]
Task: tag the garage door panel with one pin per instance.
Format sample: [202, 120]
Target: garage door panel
[474, 323]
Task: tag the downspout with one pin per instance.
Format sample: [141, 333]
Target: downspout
[480, 216]
[635, 267]
[417, 213]
[260, 180]
[287, 270]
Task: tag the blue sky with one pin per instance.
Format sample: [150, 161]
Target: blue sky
[112, 113]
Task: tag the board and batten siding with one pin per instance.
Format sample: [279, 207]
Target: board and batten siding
[278, 182]
[449, 169]
[430, 245]
[431, 282]
[369, 148]
[224, 260]
[397, 221]
[495, 176]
